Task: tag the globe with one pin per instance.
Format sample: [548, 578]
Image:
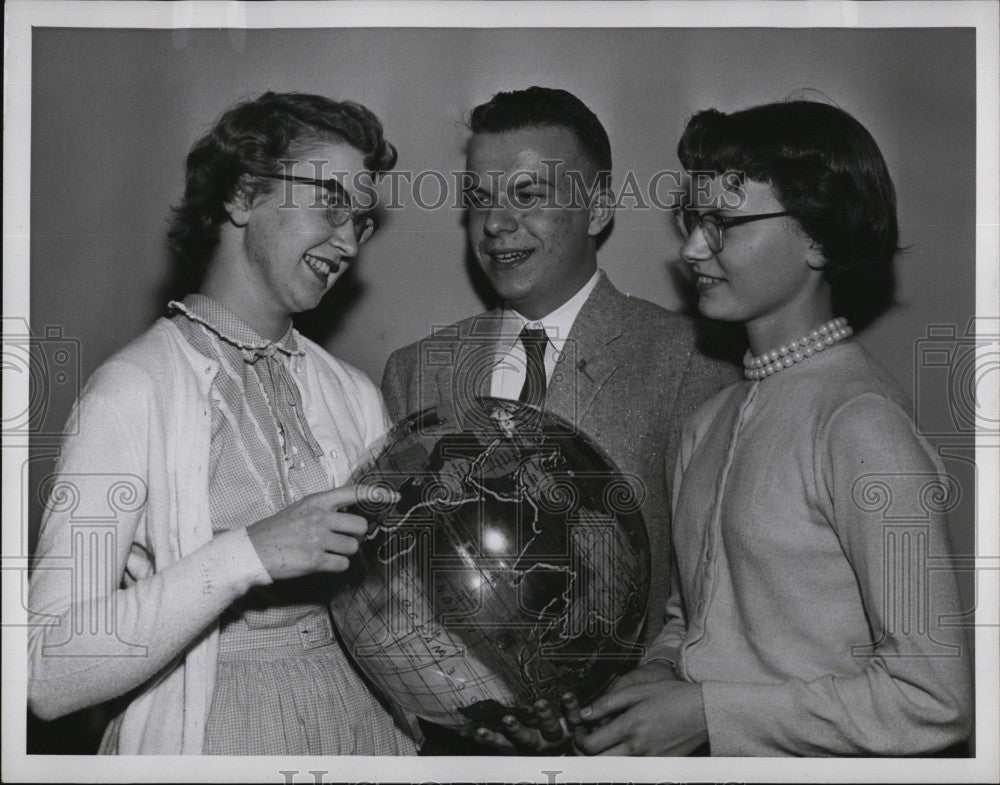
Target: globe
[515, 566]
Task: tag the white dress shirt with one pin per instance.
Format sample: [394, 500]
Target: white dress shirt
[510, 368]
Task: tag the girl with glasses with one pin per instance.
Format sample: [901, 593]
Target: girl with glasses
[804, 619]
[216, 447]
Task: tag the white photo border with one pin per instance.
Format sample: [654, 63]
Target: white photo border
[23, 15]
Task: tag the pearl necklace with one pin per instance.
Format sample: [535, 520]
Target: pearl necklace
[771, 362]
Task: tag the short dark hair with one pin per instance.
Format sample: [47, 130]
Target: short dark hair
[247, 143]
[823, 165]
[547, 106]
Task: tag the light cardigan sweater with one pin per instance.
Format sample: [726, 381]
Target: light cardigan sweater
[144, 422]
[795, 500]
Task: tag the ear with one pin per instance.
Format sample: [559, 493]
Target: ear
[814, 257]
[238, 208]
[601, 212]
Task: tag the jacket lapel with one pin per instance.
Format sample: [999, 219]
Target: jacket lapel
[588, 355]
[465, 367]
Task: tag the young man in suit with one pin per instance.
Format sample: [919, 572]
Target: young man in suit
[623, 371]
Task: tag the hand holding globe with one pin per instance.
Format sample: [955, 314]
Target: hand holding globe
[514, 567]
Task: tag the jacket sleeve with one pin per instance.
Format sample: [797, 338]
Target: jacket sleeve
[107, 612]
[914, 694]
[395, 383]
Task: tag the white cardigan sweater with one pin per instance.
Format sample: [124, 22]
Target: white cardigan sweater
[135, 462]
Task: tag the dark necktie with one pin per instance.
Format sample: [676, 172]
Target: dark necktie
[533, 391]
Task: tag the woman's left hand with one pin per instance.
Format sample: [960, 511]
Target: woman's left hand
[664, 717]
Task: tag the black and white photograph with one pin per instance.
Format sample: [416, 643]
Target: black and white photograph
[501, 391]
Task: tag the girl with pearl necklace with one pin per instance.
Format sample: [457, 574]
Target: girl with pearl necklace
[792, 629]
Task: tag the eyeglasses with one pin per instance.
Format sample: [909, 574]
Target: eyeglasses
[339, 208]
[713, 225]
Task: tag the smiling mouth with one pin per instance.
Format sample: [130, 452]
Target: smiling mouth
[505, 258]
[704, 282]
[324, 268]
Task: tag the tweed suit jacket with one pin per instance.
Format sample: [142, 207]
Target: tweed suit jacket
[629, 374]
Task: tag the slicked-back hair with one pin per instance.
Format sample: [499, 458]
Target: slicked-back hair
[247, 144]
[542, 107]
[823, 166]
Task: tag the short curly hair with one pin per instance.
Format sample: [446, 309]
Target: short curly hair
[247, 144]
[823, 165]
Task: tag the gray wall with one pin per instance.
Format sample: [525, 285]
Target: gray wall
[115, 111]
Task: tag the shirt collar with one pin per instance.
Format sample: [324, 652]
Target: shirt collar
[556, 324]
[232, 329]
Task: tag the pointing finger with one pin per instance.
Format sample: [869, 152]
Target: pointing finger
[370, 497]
